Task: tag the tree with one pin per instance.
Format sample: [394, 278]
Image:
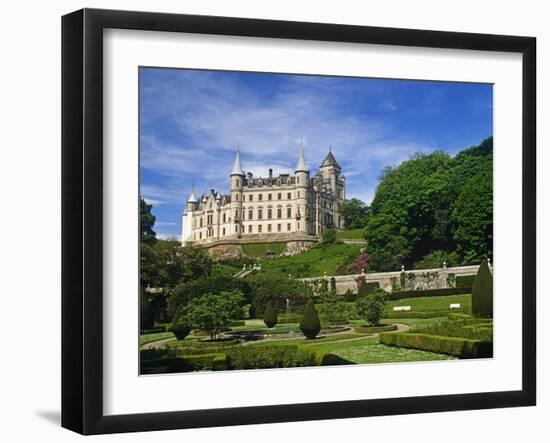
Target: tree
[310, 324]
[212, 312]
[146, 314]
[328, 237]
[359, 264]
[482, 292]
[146, 222]
[270, 316]
[371, 306]
[435, 259]
[354, 212]
[332, 308]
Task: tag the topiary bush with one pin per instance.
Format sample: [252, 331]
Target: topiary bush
[482, 292]
[270, 316]
[180, 326]
[310, 324]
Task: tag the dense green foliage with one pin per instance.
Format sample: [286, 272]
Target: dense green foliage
[180, 326]
[146, 222]
[328, 237]
[435, 259]
[310, 324]
[270, 316]
[482, 292]
[371, 306]
[332, 307]
[350, 234]
[266, 287]
[146, 314]
[433, 203]
[398, 295]
[354, 212]
[211, 312]
[166, 263]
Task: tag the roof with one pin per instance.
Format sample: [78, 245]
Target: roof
[301, 165]
[237, 168]
[192, 198]
[330, 161]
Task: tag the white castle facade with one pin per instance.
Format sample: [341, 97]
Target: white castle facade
[285, 208]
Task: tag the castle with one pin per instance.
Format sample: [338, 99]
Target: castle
[286, 208]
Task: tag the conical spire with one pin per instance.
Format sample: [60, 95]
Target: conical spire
[192, 198]
[301, 166]
[237, 168]
[330, 160]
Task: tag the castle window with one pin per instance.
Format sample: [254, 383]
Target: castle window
[236, 215]
[260, 214]
[195, 236]
[269, 228]
[250, 229]
[250, 198]
[224, 217]
[250, 216]
[200, 235]
[200, 222]
[259, 228]
[269, 196]
[237, 197]
[269, 213]
[223, 231]
[279, 212]
[288, 196]
[288, 227]
[279, 196]
[278, 227]
[260, 197]
[297, 179]
[288, 212]
[243, 214]
[238, 182]
[298, 226]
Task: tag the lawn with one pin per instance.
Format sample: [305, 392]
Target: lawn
[313, 262]
[149, 338]
[441, 303]
[260, 249]
[352, 234]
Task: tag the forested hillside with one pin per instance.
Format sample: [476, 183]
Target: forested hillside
[433, 207]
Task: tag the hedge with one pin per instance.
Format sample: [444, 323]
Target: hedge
[457, 316]
[185, 363]
[414, 314]
[464, 281]
[374, 329]
[428, 293]
[455, 346]
[234, 323]
[152, 330]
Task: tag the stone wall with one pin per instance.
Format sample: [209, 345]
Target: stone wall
[437, 278]
[225, 251]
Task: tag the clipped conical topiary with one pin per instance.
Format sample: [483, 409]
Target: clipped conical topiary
[270, 316]
[310, 324]
[482, 292]
[180, 326]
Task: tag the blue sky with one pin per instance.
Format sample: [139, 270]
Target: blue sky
[191, 122]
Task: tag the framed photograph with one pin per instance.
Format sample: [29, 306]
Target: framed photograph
[269, 221]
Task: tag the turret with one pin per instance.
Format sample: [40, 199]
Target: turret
[237, 182]
[330, 170]
[191, 206]
[302, 181]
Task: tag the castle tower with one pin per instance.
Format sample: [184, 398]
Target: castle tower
[302, 183]
[187, 217]
[237, 182]
[330, 169]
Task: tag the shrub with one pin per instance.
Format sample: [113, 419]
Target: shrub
[374, 329]
[371, 306]
[455, 346]
[146, 314]
[457, 316]
[482, 292]
[266, 287]
[360, 264]
[428, 293]
[180, 326]
[415, 314]
[310, 324]
[185, 363]
[270, 316]
[328, 237]
[268, 356]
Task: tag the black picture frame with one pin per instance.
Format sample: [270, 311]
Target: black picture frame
[82, 215]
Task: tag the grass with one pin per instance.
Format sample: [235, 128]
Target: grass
[313, 262]
[260, 249]
[149, 338]
[441, 303]
[352, 234]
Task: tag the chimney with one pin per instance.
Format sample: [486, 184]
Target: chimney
[270, 173]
